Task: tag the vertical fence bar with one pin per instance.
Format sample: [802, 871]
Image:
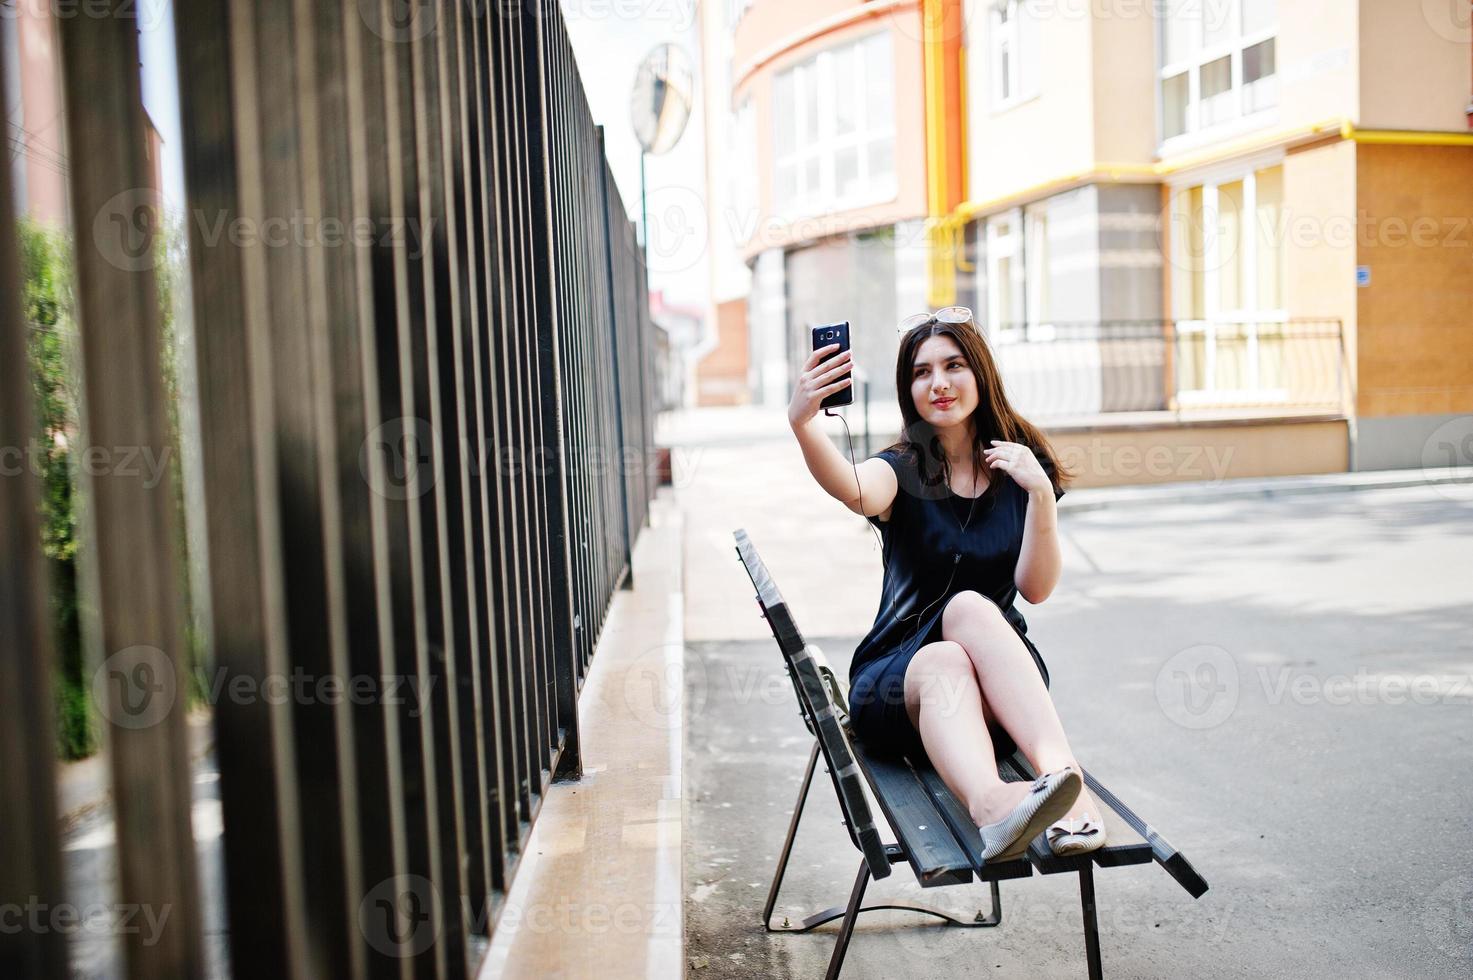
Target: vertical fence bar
[541, 399]
[529, 405]
[287, 120]
[507, 580]
[353, 121]
[562, 649]
[401, 436]
[131, 526]
[265, 892]
[510, 328]
[414, 361]
[467, 553]
[613, 224]
[501, 788]
[440, 509]
[30, 857]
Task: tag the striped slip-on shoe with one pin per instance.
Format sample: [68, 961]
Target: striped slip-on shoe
[1050, 797]
[1076, 835]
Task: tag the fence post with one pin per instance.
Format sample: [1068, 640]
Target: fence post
[30, 859]
[139, 644]
[564, 650]
[603, 181]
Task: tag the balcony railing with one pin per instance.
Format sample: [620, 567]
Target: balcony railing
[1264, 365]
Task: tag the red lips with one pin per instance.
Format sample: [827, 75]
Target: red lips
[943, 402]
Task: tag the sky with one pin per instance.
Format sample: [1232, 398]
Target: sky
[610, 38]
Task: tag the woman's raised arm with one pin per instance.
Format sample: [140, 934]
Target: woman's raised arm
[877, 485]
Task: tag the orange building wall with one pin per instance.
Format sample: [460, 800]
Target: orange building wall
[1416, 317]
[40, 74]
[721, 376]
[1319, 238]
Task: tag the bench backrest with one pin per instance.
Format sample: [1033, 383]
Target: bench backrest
[821, 712]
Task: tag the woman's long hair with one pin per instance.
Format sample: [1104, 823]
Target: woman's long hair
[994, 417]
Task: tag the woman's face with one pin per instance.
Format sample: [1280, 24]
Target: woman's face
[941, 384]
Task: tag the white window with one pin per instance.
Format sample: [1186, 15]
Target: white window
[1013, 37]
[1039, 312]
[1004, 299]
[1228, 262]
[833, 120]
[1019, 300]
[1218, 62]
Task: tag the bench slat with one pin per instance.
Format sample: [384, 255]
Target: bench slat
[965, 832]
[1123, 846]
[932, 851]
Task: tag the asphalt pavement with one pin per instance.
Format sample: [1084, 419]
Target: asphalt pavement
[1282, 684]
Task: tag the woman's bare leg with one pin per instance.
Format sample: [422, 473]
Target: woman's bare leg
[944, 703]
[1011, 687]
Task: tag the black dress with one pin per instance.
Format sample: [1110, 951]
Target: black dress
[928, 559]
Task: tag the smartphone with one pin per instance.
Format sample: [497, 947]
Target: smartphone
[823, 336]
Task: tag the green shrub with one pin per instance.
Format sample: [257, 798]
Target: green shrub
[45, 259]
[55, 374]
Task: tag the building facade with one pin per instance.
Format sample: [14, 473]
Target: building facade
[1230, 223]
[1242, 177]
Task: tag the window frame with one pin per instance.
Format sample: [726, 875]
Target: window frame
[1019, 41]
[1202, 55]
[873, 125]
[1248, 315]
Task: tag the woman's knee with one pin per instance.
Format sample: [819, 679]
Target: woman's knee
[943, 658]
[937, 675]
[970, 608]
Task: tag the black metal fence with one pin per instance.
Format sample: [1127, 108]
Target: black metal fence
[427, 450]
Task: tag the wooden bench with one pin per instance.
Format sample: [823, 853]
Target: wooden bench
[933, 832]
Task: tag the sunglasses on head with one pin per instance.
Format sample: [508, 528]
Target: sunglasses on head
[947, 314]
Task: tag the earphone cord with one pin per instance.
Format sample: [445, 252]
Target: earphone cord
[850, 439]
[883, 563]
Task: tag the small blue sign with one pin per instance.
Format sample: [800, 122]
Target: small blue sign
[1362, 275]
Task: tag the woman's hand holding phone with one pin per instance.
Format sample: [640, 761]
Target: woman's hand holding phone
[819, 379]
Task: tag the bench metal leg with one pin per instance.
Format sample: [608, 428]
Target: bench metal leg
[1091, 930]
[835, 911]
[836, 961]
[782, 861]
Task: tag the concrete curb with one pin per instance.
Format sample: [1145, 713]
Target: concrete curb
[1157, 494]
